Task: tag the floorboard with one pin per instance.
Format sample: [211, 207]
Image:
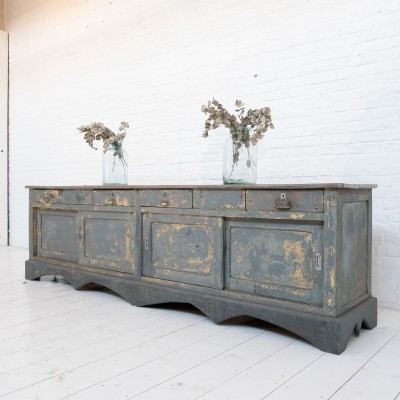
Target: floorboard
[59, 343]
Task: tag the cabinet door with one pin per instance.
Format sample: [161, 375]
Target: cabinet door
[183, 249]
[106, 240]
[57, 235]
[279, 260]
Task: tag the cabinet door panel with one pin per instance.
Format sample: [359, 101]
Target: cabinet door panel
[107, 240]
[183, 249]
[57, 235]
[278, 260]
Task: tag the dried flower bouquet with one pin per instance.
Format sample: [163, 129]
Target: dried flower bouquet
[98, 131]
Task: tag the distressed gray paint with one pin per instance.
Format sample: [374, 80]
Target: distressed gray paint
[277, 260]
[353, 279]
[77, 197]
[107, 240]
[296, 200]
[331, 244]
[114, 198]
[229, 250]
[50, 196]
[354, 248]
[219, 199]
[327, 333]
[166, 198]
[57, 235]
[183, 249]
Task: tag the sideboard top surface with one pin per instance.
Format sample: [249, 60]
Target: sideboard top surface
[284, 186]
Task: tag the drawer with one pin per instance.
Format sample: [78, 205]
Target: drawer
[49, 196]
[219, 199]
[125, 198]
[77, 197]
[166, 198]
[285, 200]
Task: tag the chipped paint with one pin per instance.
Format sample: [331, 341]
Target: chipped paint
[298, 293]
[272, 256]
[121, 201]
[165, 229]
[218, 200]
[260, 256]
[239, 259]
[293, 249]
[332, 278]
[296, 216]
[127, 246]
[178, 248]
[47, 197]
[298, 275]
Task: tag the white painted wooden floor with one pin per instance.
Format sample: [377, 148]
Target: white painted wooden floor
[58, 343]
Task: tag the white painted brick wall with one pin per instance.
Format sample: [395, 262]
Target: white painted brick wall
[3, 138]
[329, 70]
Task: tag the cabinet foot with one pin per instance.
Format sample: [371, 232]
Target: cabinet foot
[326, 333]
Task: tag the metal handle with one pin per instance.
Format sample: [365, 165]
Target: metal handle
[283, 203]
[318, 265]
[164, 203]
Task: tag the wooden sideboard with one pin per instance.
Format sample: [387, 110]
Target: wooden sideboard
[297, 256]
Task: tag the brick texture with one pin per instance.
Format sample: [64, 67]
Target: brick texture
[329, 71]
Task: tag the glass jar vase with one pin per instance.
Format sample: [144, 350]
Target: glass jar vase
[115, 165]
[239, 163]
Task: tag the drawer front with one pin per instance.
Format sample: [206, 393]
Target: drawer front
[219, 199]
[185, 249]
[277, 260]
[285, 200]
[166, 198]
[77, 197]
[125, 198]
[48, 196]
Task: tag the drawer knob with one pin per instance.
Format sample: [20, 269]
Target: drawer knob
[164, 203]
[283, 203]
